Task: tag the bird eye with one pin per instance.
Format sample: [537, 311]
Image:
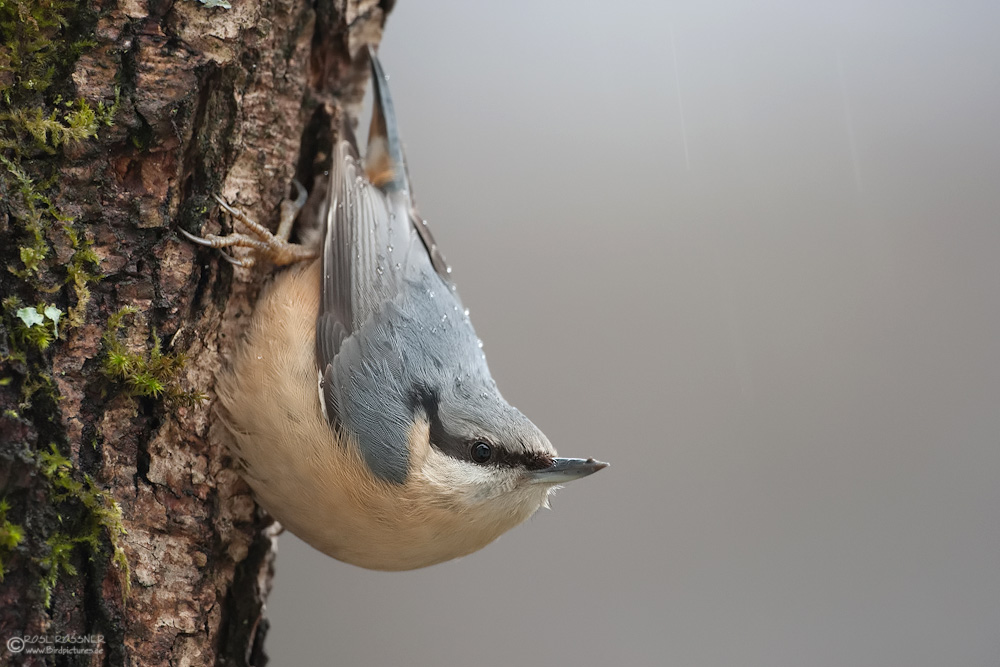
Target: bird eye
[481, 451]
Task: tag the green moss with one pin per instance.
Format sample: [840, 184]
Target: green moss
[23, 131]
[151, 373]
[56, 561]
[98, 513]
[34, 326]
[51, 131]
[30, 331]
[40, 116]
[11, 535]
[34, 49]
[38, 388]
[34, 215]
[39, 42]
[29, 31]
[67, 122]
[80, 272]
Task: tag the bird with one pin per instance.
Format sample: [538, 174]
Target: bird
[359, 403]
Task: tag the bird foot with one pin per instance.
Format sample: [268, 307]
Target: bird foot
[262, 244]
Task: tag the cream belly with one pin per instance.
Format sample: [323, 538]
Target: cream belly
[314, 480]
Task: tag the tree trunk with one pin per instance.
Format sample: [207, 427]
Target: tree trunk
[125, 535]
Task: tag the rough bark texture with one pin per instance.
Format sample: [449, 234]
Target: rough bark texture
[119, 515]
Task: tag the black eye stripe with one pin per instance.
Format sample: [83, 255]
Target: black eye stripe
[426, 400]
[527, 460]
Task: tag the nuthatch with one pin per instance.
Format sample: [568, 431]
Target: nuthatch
[361, 408]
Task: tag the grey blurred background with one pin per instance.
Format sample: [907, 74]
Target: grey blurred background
[749, 255]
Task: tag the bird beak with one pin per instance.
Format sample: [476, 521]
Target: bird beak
[565, 470]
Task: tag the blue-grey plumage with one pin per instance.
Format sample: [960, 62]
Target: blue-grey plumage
[359, 405]
[393, 338]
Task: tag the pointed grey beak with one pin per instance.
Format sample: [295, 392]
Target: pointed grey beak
[565, 470]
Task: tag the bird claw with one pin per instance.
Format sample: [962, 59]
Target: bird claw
[261, 243]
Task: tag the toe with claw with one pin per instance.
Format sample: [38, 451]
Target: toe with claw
[276, 248]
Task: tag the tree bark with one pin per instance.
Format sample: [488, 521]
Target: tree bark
[120, 516]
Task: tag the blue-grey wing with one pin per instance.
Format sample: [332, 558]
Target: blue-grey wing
[365, 252]
[379, 262]
[371, 228]
[366, 388]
